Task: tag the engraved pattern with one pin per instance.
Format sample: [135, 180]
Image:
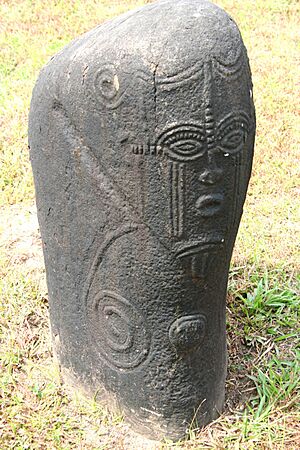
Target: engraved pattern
[201, 264]
[230, 68]
[209, 127]
[232, 132]
[236, 190]
[116, 326]
[202, 255]
[176, 207]
[182, 77]
[145, 149]
[95, 166]
[187, 332]
[108, 242]
[211, 244]
[118, 330]
[183, 142]
[107, 87]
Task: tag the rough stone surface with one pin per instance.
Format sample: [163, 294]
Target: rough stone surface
[141, 139]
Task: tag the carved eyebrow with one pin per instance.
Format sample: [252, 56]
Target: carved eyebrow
[181, 77]
[230, 68]
[235, 120]
[179, 130]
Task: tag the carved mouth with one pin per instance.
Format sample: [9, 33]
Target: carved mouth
[210, 205]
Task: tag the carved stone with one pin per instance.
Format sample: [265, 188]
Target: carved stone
[141, 140]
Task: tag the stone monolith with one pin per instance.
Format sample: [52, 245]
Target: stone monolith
[141, 138]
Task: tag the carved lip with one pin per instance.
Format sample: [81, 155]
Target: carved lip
[210, 205]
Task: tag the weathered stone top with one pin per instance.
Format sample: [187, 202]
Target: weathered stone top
[169, 81]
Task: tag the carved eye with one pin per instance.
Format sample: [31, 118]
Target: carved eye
[232, 133]
[183, 142]
[233, 141]
[186, 144]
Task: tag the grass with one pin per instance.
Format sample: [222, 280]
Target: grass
[263, 398]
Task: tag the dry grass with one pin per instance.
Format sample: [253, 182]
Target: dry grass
[262, 407]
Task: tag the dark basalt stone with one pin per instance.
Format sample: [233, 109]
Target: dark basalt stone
[141, 140]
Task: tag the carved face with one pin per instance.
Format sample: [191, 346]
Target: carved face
[208, 144]
[179, 134]
[196, 137]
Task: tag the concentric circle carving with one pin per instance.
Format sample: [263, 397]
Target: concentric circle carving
[118, 330]
[107, 86]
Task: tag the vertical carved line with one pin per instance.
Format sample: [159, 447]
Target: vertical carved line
[208, 104]
[180, 186]
[175, 199]
[236, 188]
[209, 125]
[239, 172]
[232, 215]
[238, 176]
[171, 215]
[194, 270]
[200, 265]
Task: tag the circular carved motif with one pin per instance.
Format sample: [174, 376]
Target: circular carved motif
[118, 330]
[183, 142]
[107, 86]
[187, 332]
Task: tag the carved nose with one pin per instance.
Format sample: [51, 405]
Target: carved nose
[212, 173]
[211, 176]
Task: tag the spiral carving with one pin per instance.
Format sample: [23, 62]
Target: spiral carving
[118, 330]
[107, 86]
